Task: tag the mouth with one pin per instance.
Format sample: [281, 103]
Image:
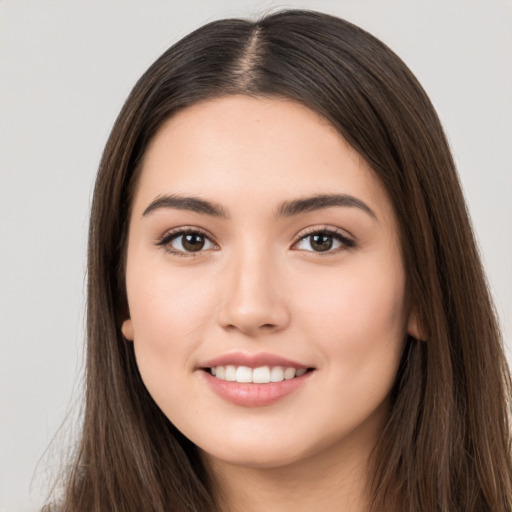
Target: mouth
[255, 379]
[259, 375]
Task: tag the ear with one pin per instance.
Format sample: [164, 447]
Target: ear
[415, 327]
[127, 329]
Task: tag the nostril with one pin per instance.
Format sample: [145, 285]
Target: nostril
[247, 327]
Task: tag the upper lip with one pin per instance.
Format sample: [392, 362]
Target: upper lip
[252, 360]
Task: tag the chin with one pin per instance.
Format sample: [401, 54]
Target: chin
[270, 451]
[254, 457]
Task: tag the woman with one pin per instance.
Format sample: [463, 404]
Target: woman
[286, 306]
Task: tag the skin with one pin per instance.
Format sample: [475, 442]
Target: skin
[259, 286]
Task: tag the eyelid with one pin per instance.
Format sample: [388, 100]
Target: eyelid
[169, 235]
[343, 236]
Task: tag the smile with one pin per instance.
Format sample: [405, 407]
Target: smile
[260, 375]
[255, 387]
[254, 380]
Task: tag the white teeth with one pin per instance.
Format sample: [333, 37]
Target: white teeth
[289, 373]
[277, 374]
[243, 374]
[260, 375]
[230, 373]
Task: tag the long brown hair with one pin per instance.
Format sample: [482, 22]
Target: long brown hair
[446, 444]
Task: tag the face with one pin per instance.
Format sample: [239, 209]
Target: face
[265, 284]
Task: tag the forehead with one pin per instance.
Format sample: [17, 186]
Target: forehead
[254, 150]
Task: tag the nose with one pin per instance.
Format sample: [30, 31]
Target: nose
[253, 297]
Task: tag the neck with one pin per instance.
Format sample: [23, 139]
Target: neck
[334, 480]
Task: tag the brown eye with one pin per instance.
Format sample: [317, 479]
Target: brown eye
[324, 241]
[321, 243]
[187, 242]
[193, 242]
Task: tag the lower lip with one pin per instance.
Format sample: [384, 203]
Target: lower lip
[254, 395]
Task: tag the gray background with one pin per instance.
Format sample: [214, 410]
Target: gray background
[65, 69]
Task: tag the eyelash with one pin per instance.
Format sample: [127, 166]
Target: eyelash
[165, 241]
[345, 241]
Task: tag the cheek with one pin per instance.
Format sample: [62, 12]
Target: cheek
[170, 317]
[357, 315]
[169, 314]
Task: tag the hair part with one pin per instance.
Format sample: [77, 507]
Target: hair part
[446, 444]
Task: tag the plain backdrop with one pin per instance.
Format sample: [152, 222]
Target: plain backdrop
[65, 70]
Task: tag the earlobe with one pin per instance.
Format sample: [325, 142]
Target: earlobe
[127, 329]
[415, 328]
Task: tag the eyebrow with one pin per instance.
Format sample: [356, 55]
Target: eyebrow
[318, 202]
[285, 209]
[190, 203]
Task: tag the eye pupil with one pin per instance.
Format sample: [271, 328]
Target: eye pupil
[193, 242]
[321, 243]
